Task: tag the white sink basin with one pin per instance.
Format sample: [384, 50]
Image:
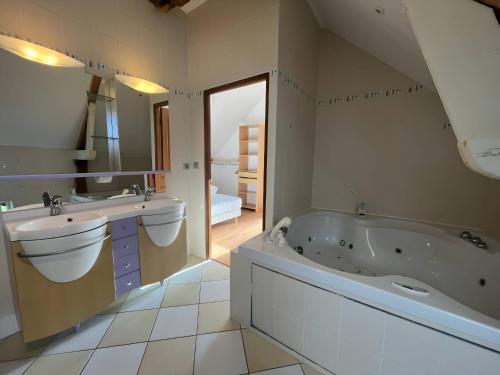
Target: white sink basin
[63, 248]
[162, 219]
[58, 226]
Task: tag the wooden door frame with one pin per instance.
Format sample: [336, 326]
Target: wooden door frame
[264, 77]
[152, 178]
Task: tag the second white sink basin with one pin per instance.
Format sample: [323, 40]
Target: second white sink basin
[162, 219]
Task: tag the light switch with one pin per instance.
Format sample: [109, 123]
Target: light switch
[186, 166]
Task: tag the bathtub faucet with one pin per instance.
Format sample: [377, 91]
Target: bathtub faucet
[361, 209]
[279, 230]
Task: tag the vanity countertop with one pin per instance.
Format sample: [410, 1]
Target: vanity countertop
[112, 210]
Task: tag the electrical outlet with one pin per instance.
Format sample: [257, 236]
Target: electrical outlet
[196, 165]
[186, 166]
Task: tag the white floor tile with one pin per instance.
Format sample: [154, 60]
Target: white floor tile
[116, 360]
[15, 367]
[213, 271]
[220, 354]
[177, 321]
[144, 298]
[213, 291]
[190, 275]
[289, 370]
[88, 337]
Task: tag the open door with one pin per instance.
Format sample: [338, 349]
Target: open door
[235, 117]
[162, 145]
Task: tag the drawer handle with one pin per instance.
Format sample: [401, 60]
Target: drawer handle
[127, 265]
[124, 227]
[129, 283]
[127, 246]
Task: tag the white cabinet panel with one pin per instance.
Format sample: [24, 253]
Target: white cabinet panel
[462, 358]
[410, 348]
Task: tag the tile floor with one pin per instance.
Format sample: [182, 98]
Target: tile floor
[182, 327]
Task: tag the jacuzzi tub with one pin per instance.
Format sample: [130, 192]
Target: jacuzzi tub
[422, 277]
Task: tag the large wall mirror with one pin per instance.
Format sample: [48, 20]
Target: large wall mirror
[70, 120]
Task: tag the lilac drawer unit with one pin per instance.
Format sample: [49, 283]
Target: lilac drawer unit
[126, 264]
[127, 282]
[123, 228]
[125, 246]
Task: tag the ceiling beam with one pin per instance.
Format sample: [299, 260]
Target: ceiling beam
[168, 5]
[492, 3]
[495, 4]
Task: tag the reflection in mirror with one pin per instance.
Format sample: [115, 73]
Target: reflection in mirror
[68, 121]
[64, 120]
[27, 194]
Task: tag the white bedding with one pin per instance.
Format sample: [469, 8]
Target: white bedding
[225, 207]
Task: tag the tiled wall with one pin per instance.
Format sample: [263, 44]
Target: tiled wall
[395, 153]
[228, 40]
[296, 113]
[346, 337]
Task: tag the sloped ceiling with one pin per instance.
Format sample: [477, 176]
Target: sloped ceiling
[387, 36]
[229, 108]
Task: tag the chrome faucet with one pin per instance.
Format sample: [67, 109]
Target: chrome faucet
[475, 240]
[137, 189]
[361, 209]
[55, 203]
[148, 193]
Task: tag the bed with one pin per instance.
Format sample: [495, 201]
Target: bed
[224, 207]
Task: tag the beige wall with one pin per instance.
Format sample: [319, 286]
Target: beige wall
[228, 40]
[391, 152]
[297, 59]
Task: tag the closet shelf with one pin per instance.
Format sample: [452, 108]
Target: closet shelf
[251, 169]
[247, 192]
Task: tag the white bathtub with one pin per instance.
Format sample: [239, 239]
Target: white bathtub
[397, 276]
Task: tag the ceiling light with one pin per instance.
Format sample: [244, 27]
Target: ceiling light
[380, 10]
[141, 85]
[36, 53]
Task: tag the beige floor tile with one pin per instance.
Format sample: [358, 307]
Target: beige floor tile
[308, 370]
[220, 353]
[15, 367]
[13, 347]
[67, 364]
[130, 327]
[213, 271]
[214, 317]
[263, 355]
[181, 294]
[169, 357]
[193, 260]
[115, 306]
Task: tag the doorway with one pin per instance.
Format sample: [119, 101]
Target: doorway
[236, 125]
[161, 131]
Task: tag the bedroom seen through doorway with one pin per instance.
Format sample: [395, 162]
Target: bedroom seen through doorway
[235, 164]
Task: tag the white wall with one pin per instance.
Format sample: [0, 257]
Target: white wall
[298, 59]
[229, 110]
[393, 153]
[216, 57]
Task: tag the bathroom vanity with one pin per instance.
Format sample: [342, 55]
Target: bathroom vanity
[69, 267]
